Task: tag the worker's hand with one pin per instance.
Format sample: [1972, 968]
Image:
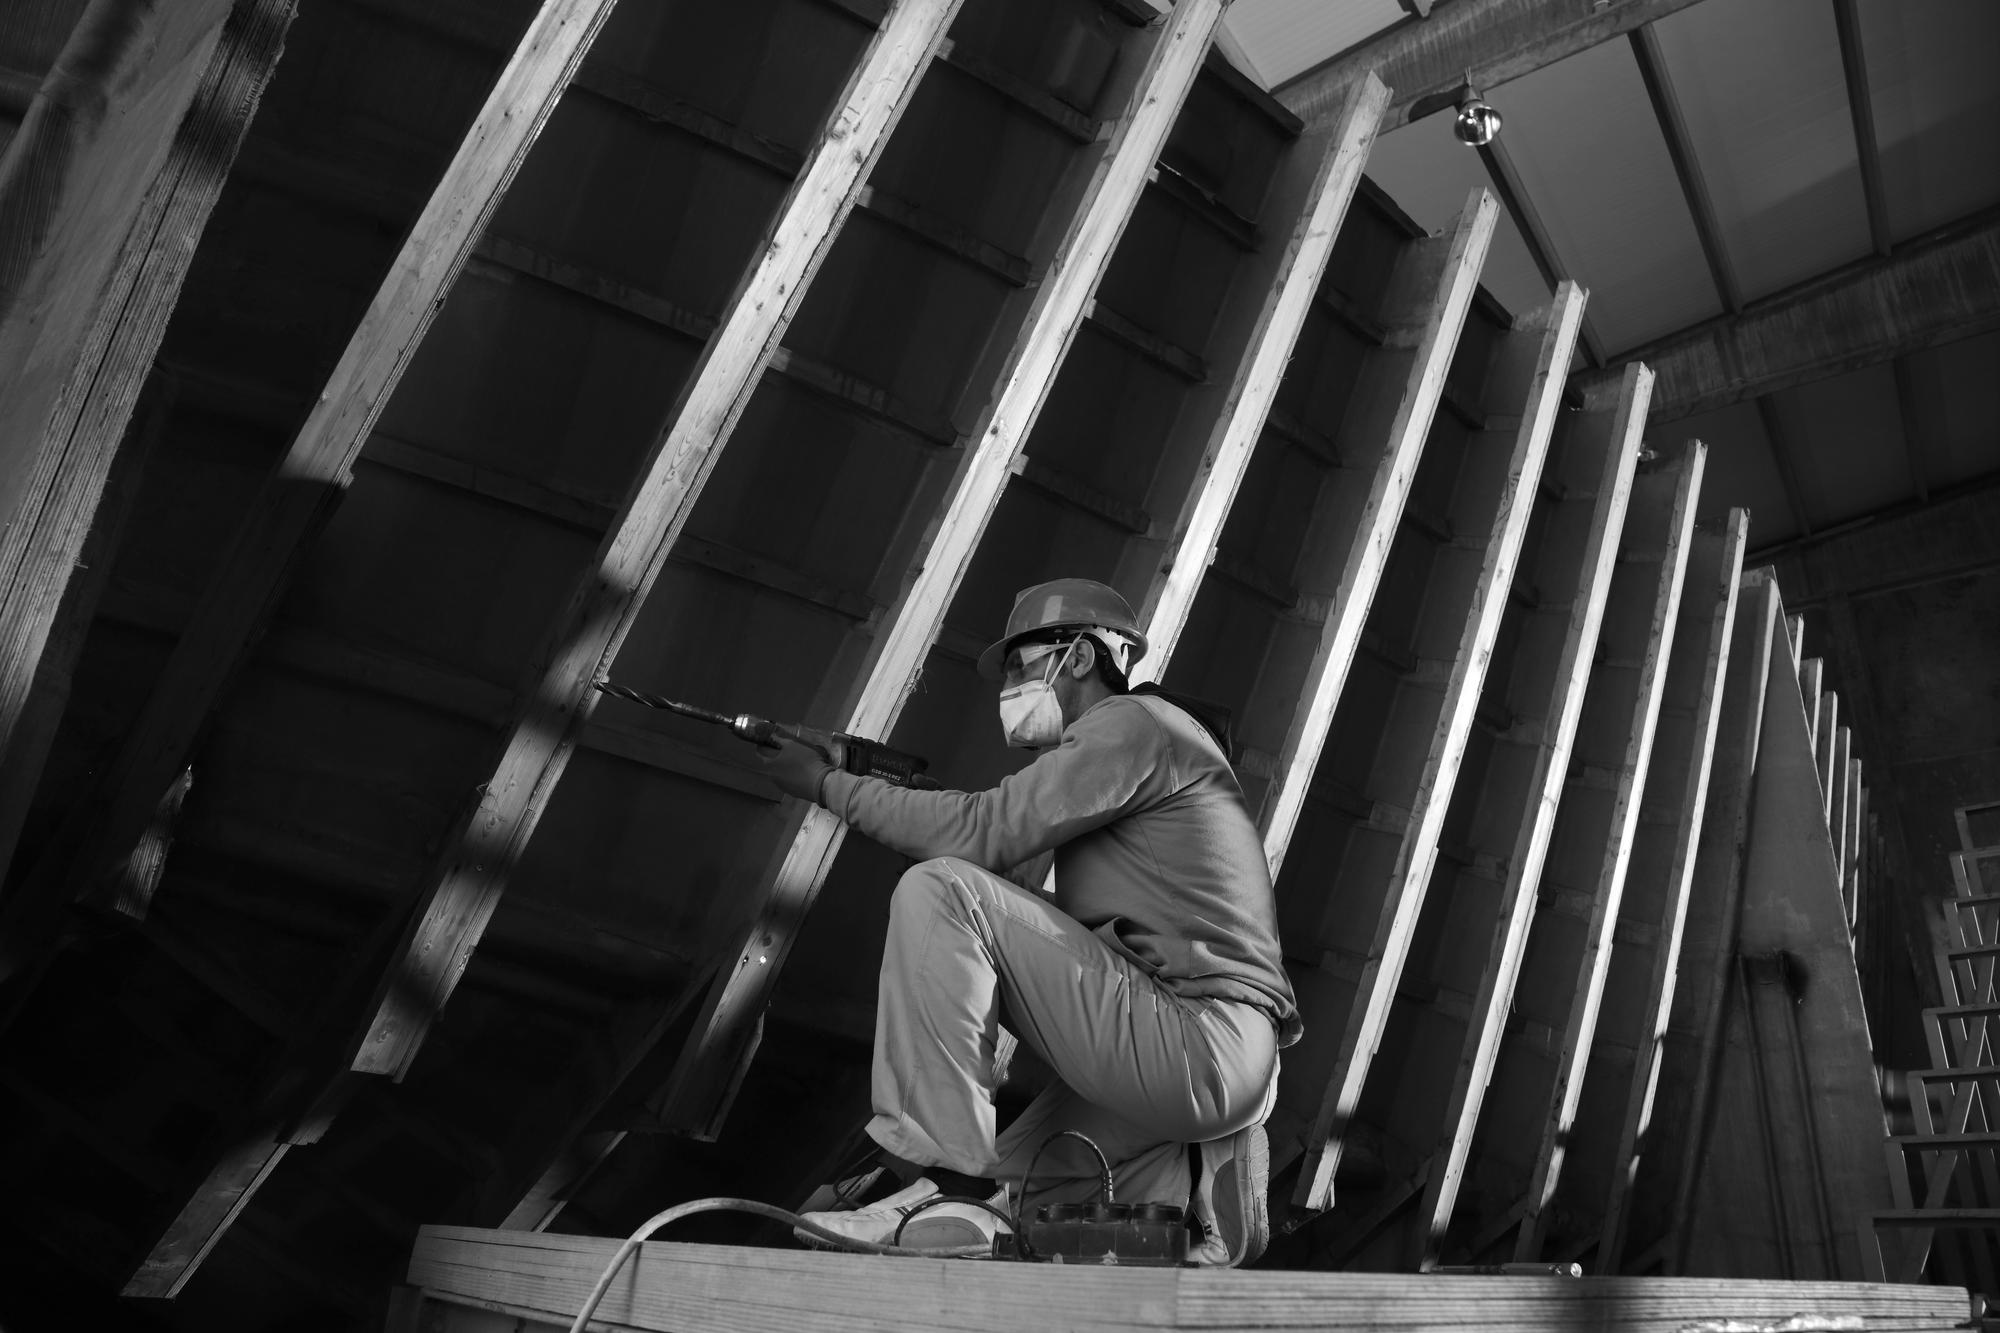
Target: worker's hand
[796, 769]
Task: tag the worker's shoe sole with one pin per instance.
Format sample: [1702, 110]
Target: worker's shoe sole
[1229, 1199]
[941, 1230]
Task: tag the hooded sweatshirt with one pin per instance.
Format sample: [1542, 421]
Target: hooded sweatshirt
[1155, 851]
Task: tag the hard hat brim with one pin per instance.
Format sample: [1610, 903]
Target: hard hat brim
[991, 659]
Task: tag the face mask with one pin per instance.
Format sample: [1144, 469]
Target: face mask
[1030, 714]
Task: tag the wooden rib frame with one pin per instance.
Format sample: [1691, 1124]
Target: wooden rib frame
[1552, 333]
[1659, 528]
[1604, 439]
[1678, 785]
[718, 1051]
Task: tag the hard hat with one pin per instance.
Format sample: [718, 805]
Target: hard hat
[1060, 604]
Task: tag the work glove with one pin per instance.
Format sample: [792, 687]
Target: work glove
[795, 769]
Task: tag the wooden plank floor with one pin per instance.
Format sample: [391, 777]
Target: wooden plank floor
[468, 1275]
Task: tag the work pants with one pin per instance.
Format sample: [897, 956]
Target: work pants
[1142, 1071]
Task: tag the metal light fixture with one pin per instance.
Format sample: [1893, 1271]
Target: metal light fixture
[1477, 123]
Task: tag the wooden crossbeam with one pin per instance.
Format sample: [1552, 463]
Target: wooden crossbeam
[1596, 454]
[1640, 988]
[1824, 741]
[1268, 305]
[1382, 439]
[1930, 291]
[473, 869]
[104, 193]
[1467, 595]
[1595, 830]
[719, 1049]
[1483, 42]
[317, 467]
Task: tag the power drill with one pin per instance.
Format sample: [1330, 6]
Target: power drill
[850, 754]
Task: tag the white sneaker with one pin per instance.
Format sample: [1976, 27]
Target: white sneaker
[1229, 1199]
[946, 1230]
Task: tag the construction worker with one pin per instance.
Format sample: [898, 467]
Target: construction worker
[1150, 982]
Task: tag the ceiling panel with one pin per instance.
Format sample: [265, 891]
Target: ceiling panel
[1957, 406]
[1285, 38]
[1848, 438]
[1931, 76]
[1761, 87]
[1582, 134]
[1741, 472]
[1429, 173]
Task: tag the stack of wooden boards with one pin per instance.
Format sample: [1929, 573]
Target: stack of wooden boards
[467, 1280]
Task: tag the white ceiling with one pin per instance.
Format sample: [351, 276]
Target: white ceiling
[1763, 93]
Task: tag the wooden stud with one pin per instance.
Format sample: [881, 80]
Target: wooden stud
[1639, 996]
[473, 869]
[1518, 799]
[1404, 379]
[317, 467]
[1812, 672]
[1824, 741]
[104, 194]
[1528, 369]
[1269, 304]
[1597, 831]
[1932, 291]
[718, 1051]
[1837, 809]
[1795, 633]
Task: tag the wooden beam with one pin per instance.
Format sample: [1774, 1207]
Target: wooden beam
[473, 869]
[1861, 106]
[1812, 672]
[1639, 992]
[317, 467]
[1680, 149]
[104, 194]
[475, 1279]
[1595, 830]
[1679, 1123]
[1465, 598]
[1929, 292]
[1107, 191]
[1399, 386]
[1597, 452]
[1823, 739]
[1484, 42]
[1268, 306]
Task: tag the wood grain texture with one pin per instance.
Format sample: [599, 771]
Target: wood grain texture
[1640, 991]
[707, 1287]
[1544, 696]
[473, 871]
[1402, 383]
[1492, 501]
[719, 1049]
[1597, 824]
[1269, 307]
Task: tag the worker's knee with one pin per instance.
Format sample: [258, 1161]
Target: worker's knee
[928, 885]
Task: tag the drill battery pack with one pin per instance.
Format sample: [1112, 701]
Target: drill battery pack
[1146, 1235]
